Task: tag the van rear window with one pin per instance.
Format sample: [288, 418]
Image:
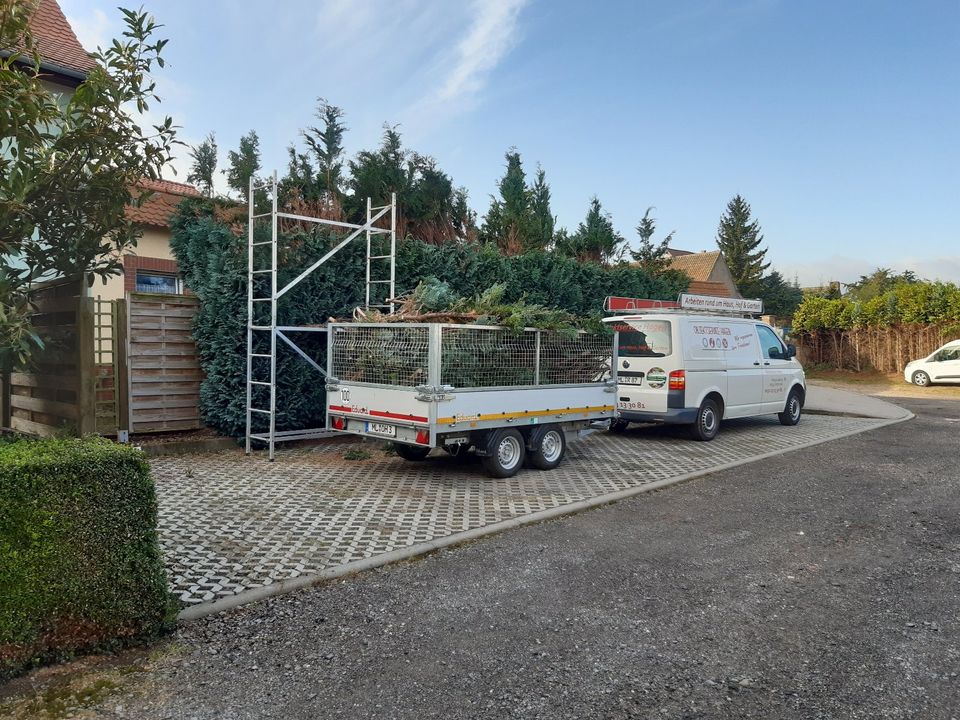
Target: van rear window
[644, 338]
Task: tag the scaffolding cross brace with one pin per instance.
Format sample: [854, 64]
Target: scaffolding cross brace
[376, 274]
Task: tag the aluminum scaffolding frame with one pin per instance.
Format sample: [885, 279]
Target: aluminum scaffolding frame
[375, 276]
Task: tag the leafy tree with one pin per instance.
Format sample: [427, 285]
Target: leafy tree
[739, 238]
[651, 256]
[244, 163]
[879, 282]
[204, 164]
[595, 239]
[780, 297]
[67, 165]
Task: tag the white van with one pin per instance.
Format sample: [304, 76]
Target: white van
[696, 368]
[940, 366]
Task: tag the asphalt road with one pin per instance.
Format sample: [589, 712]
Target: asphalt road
[824, 584]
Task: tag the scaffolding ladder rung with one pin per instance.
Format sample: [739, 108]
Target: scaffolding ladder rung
[261, 299]
[259, 355]
[378, 282]
[379, 257]
[260, 327]
[262, 215]
[265, 242]
[265, 412]
[261, 272]
[259, 382]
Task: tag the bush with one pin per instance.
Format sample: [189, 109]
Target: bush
[80, 565]
[213, 260]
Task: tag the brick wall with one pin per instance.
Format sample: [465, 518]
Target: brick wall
[132, 263]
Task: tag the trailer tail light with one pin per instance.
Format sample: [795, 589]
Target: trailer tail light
[678, 380]
[338, 423]
[423, 437]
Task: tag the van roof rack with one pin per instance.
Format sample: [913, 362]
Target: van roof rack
[687, 303]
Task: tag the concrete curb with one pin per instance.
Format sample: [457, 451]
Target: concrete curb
[200, 610]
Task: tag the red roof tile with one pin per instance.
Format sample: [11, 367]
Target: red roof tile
[699, 266]
[56, 42]
[158, 208]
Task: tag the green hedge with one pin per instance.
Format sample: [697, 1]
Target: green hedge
[80, 565]
[213, 259]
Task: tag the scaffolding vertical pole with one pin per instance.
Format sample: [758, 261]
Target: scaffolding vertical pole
[249, 310]
[393, 252]
[273, 315]
[369, 259]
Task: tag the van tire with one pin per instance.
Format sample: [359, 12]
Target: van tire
[551, 447]
[413, 453]
[707, 424]
[792, 410]
[506, 452]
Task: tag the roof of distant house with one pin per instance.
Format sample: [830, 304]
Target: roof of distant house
[704, 287]
[699, 266]
[162, 204]
[60, 50]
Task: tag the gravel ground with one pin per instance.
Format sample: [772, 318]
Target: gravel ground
[825, 584]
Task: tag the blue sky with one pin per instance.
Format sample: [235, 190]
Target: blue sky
[839, 121]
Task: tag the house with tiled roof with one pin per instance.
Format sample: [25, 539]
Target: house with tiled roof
[63, 61]
[707, 270]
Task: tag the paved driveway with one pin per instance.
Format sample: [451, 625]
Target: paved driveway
[231, 524]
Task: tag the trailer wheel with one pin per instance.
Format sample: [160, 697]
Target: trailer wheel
[413, 453]
[505, 453]
[550, 451]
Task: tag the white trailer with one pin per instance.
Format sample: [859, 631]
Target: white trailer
[511, 396]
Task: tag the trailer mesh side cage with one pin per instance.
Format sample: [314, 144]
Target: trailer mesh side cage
[380, 354]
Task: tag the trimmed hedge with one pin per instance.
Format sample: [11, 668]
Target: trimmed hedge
[80, 564]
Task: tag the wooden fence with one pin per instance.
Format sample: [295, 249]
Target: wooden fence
[886, 349]
[162, 363]
[106, 366]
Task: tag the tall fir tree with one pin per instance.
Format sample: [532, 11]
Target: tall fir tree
[520, 218]
[595, 240]
[204, 165]
[649, 255]
[244, 163]
[739, 239]
[542, 219]
[326, 144]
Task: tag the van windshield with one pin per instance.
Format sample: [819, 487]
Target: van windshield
[644, 338]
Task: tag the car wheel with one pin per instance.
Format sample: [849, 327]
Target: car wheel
[707, 424]
[550, 451]
[921, 379]
[505, 454]
[619, 426]
[792, 410]
[414, 453]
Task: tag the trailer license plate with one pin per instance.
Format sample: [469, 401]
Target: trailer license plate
[382, 429]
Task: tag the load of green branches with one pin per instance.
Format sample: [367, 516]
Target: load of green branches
[434, 300]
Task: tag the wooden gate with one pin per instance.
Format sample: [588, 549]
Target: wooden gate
[162, 363]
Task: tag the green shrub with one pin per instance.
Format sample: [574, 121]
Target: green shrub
[80, 565]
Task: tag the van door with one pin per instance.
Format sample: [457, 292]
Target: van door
[646, 354]
[946, 365]
[777, 369]
[744, 372]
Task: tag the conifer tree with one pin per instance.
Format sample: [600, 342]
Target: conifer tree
[244, 163]
[204, 164]
[649, 255]
[739, 238]
[520, 219]
[326, 143]
[595, 239]
[542, 220]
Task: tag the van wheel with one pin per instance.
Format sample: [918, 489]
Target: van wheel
[551, 450]
[413, 453]
[619, 426]
[505, 454]
[921, 379]
[707, 424]
[791, 411]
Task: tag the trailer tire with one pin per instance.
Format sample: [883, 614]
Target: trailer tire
[506, 452]
[414, 453]
[551, 447]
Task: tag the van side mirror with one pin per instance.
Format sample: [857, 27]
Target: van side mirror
[791, 351]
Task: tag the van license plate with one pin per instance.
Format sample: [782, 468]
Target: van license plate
[630, 379]
[382, 429]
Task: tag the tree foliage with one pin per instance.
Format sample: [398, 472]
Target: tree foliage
[244, 164]
[520, 219]
[878, 282]
[204, 164]
[780, 298]
[595, 240]
[739, 239]
[67, 166]
[651, 256]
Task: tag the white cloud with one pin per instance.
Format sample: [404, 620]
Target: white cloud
[93, 30]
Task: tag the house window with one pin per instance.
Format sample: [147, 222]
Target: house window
[158, 282]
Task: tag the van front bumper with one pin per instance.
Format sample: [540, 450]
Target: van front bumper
[673, 416]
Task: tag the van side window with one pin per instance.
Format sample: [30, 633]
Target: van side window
[772, 348]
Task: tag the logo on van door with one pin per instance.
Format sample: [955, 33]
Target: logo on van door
[656, 377]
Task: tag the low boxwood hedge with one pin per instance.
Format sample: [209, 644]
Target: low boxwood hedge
[80, 565]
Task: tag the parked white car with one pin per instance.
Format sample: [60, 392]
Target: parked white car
[696, 369]
[942, 366]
